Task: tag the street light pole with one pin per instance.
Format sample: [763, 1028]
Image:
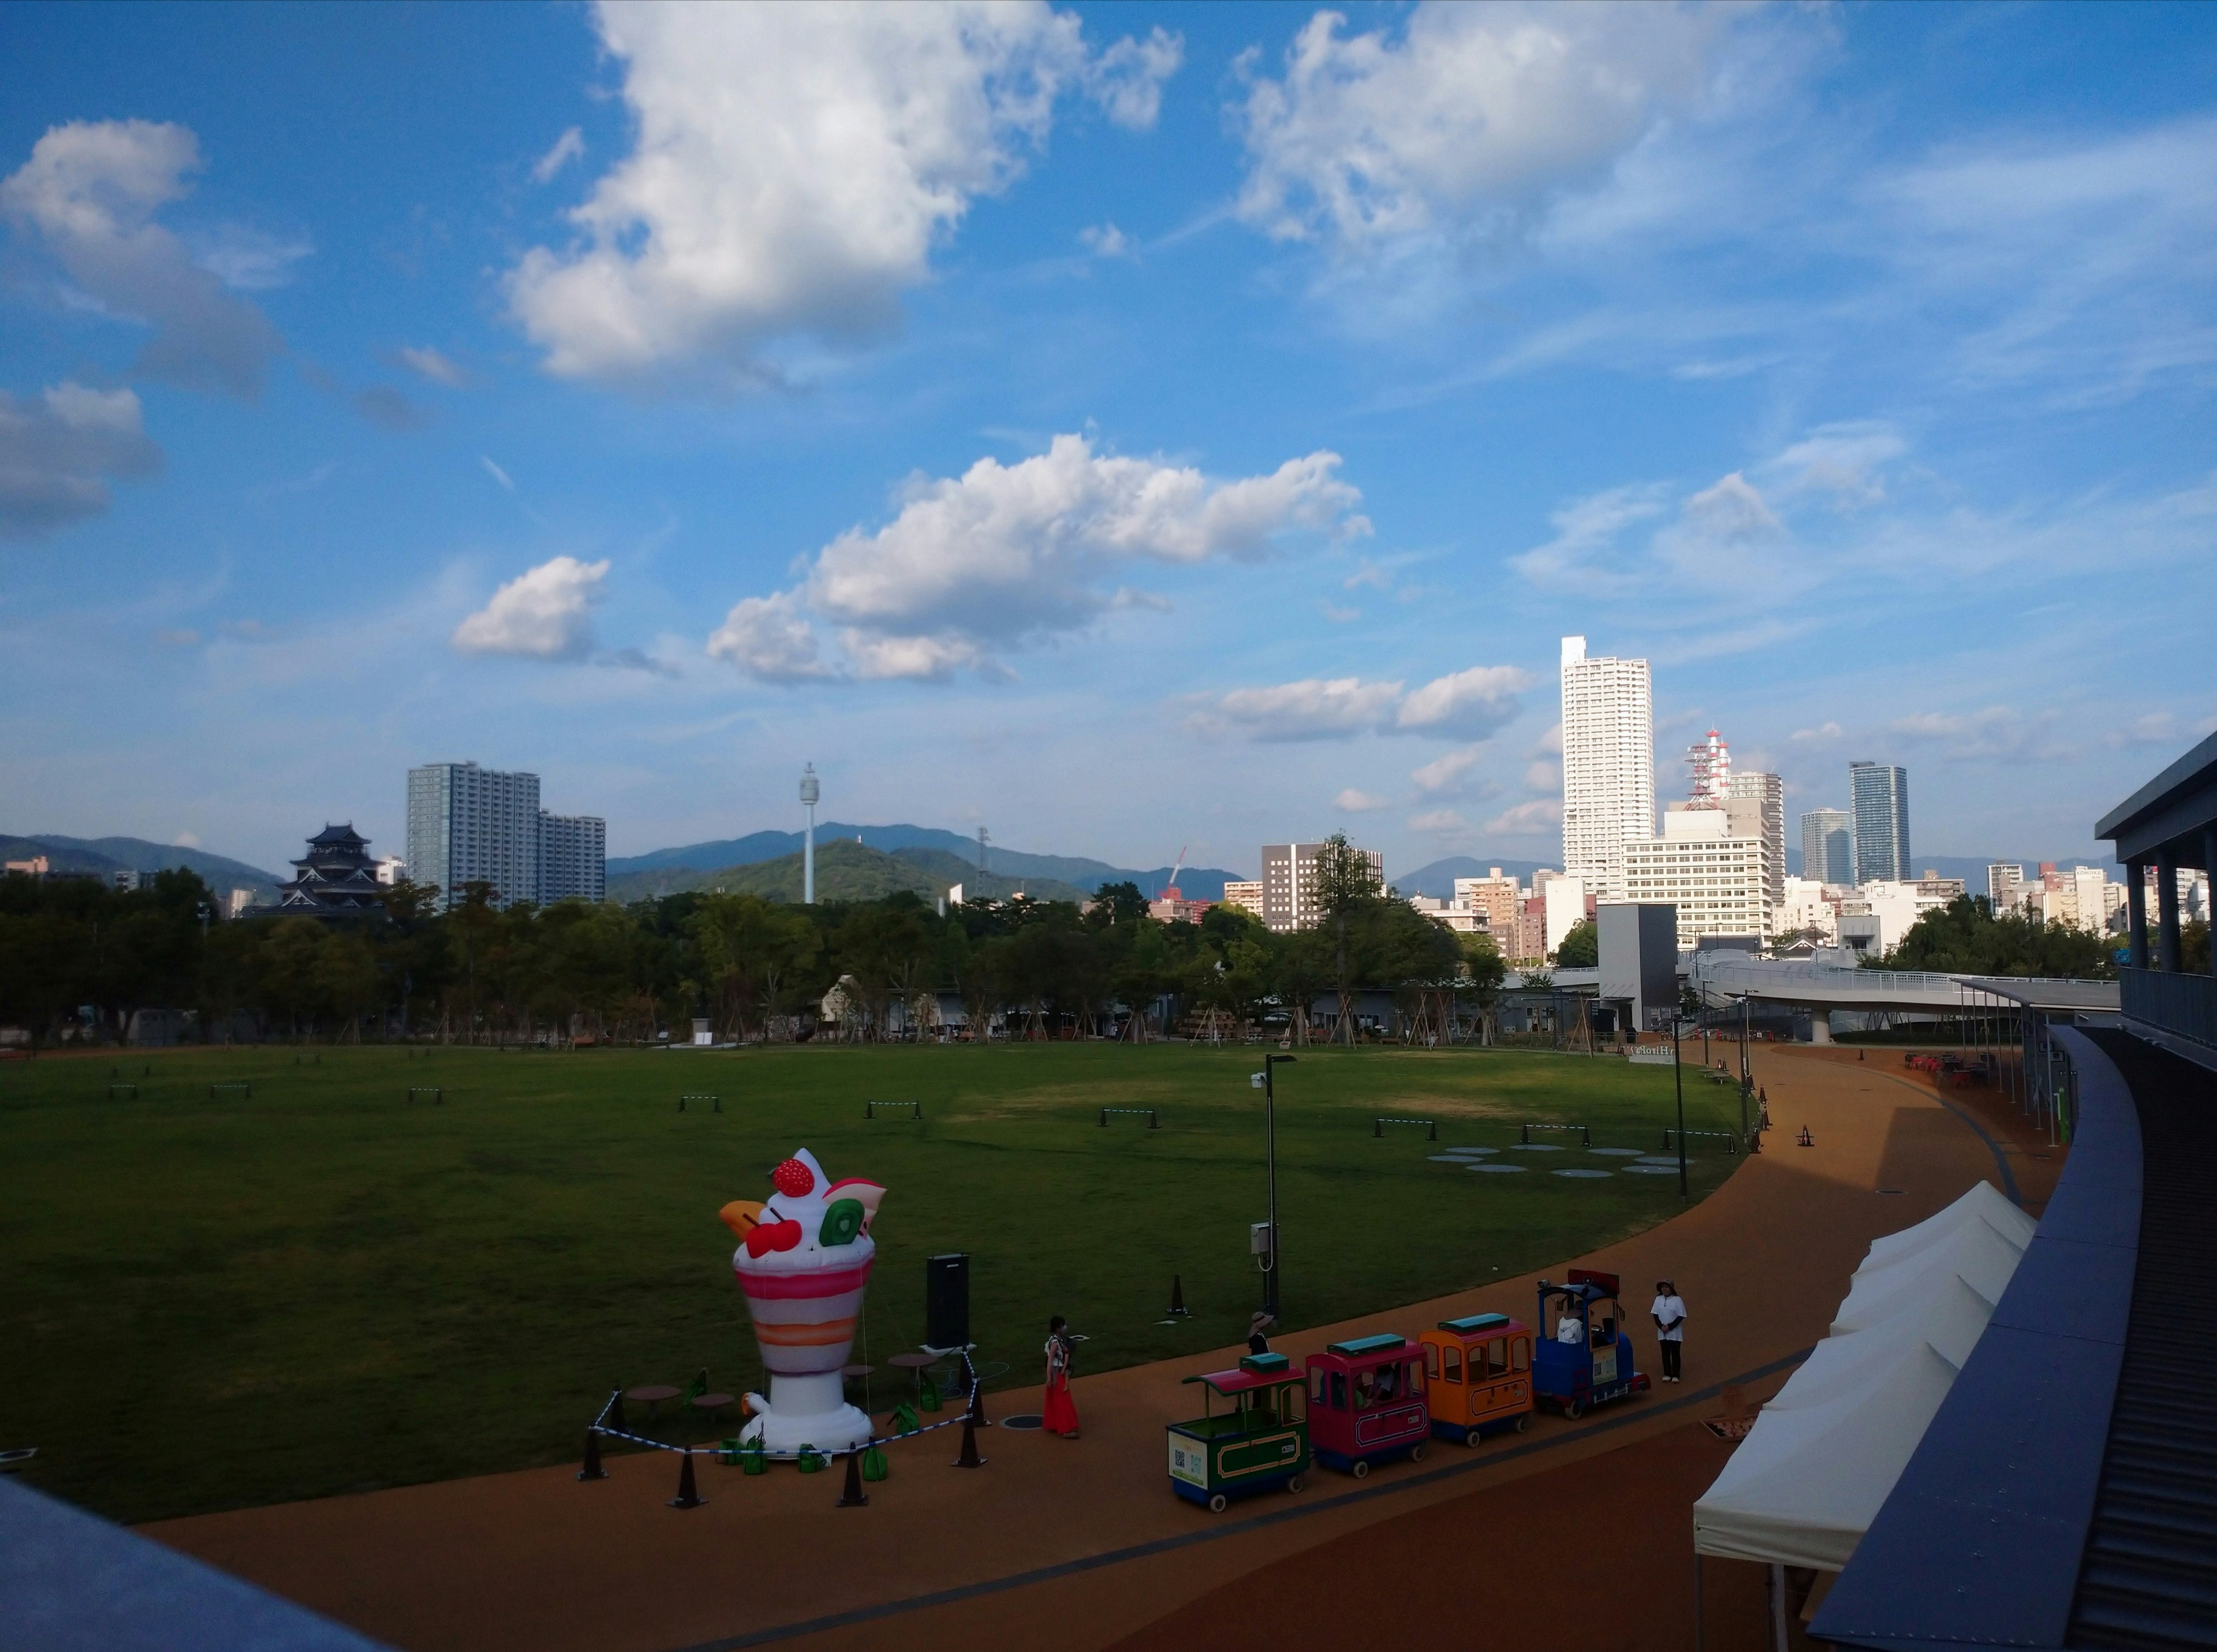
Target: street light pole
[1678, 1084]
[1744, 1077]
[1270, 1159]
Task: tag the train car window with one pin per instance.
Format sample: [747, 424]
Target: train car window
[1416, 1379]
[1432, 1359]
[1339, 1390]
[1316, 1387]
[1520, 1353]
[1454, 1364]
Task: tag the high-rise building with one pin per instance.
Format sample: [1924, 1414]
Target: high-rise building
[2005, 886]
[1246, 893]
[1496, 896]
[1608, 765]
[1828, 847]
[1718, 881]
[1878, 794]
[1755, 807]
[1289, 874]
[468, 824]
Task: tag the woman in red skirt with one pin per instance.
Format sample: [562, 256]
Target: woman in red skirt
[1059, 1416]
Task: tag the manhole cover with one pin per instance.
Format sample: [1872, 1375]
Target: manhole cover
[1580, 1172]
[1512, 1169]
[1023, 1422]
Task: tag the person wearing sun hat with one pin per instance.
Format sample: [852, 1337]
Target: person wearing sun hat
[1258, 1340]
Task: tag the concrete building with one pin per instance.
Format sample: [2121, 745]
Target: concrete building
[1639, 948]
[1893, 905]
[1453, 915]
[1172, 907]
[1566, 904]
[1290, 872]
[470, 825]
[1878, 795]
[1828, 847]
[1803, 907]
[1608, 765]
[1531, 943]
[2004, 887]
[1246, 893]
[1755, 807]
[391, 870]
[1719, 883]
[1498, 897]
[237, 903]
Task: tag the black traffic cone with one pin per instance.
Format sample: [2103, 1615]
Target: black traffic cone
[615, 1413]
[969, 1459]
[1178, 1298]
[592, 1470]
[852, 1496]
[687, 1495]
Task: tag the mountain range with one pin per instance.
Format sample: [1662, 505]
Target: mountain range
[108, 854]
[1007, 869]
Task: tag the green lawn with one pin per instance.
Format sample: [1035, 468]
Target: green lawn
[213, 1302]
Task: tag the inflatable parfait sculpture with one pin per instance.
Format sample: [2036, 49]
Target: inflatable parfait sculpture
[804, 1260]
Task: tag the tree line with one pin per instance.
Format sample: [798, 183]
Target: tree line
[476, 971]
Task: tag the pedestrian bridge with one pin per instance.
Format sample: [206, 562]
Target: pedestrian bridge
[1724, 978]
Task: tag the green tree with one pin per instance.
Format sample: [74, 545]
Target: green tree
[1347, 885]
[1965, 937]
[1581, 947]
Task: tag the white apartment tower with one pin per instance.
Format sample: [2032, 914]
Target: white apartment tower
[1755, 807]
[1608, 765]
[468, 824]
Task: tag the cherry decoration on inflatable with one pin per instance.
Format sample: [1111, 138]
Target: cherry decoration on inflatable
[804, 1261]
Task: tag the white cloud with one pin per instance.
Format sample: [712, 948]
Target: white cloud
[1551, 742]
[59, 454]
[1585, 534]
[1437, 821]
[1543, 777]
[1541, 815]
[1465, 119]
[1351, 801]
[1465, 705]
[497, 472]
[1998, 732]
[1337, 614]
[1824, 734]
[1003, 553]
[545, 613]
[768, 638]
[1726, 537]
[250, 260]
[89, 192]
[570, 146]
[186, 840]
[430, 364]
[1468, 705]
[1843, 462]
[1106, 241]
[1445, 774]
[1368, 574]
[794, 166]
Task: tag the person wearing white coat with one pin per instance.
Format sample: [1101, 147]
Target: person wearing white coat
[1669, 1315]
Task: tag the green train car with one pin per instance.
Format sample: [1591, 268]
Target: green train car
[1261, 1443]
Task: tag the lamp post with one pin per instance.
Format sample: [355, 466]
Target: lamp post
[1678, 1085]
[1270, 1161]
[1745, 1078]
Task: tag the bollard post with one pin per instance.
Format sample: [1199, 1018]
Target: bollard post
[1154, 1123]
[1178, 1298]
[687, 1496]
[1526, 1136]
[1433, 1135]
[852, 1496]
[1377, 1129]
[592, 1470]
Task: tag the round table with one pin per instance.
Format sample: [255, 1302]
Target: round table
[708, 1404]
[652, 1395]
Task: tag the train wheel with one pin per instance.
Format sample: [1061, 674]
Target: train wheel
[1471, 1438]
[1216, 1504]
[1362, 1469]
[1575, 1410]
[1416, 1452]
[1295, 1483]
[1523, 1421]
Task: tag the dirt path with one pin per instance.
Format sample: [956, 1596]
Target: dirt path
[1083, 1539]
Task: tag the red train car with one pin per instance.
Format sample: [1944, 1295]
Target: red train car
[1366, 1403]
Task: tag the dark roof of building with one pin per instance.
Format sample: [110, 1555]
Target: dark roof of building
[2169, 811]
[2066, 1493]
[337, 837]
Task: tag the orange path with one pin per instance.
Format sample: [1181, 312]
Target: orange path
[536, 1560]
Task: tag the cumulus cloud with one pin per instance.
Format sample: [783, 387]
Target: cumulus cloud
[1351, 801]
[1005, 552]
[1543, 777]
[1825, 734]
[1469, 705]
[1726, 537]
[768, 638]
[1461, 120]
[429, 363]
[793, 167]
[89, 194]
[1447, 775]
[1465, 705]
[250, 260]
[545, 613]
[1106, 241]
[59, 453]
[1541, 815]
[1440, 820]
[570, 146]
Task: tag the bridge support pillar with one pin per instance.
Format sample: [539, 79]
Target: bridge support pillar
[1820, 1026]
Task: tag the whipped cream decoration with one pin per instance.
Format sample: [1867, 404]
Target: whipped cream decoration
[804, 1261]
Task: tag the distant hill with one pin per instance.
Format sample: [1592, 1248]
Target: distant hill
[1437, 880]
[106, 855]
[1012, 865]
[845, 870]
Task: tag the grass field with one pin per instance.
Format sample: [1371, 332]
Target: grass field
[214, 1301]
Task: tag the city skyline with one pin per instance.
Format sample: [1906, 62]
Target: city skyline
[1193, 458]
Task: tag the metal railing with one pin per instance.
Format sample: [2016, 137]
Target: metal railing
[2184, 1005]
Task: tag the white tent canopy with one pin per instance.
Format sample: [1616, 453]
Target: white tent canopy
[1806, 1483]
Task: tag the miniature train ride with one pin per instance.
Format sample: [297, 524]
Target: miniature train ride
[1372, 1400]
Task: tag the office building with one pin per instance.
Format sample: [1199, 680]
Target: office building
[1608, 765]
[1805, 907]
[1828, 847]
[1566, 903]
[1289, 874]
[1531, 944]
[1454, 915]
[1878, 796]
[468, 824]
[2005, 886]
[1719, 883]
[391, 870]
[1246, 893]
[1755, 807]
[1496, 896]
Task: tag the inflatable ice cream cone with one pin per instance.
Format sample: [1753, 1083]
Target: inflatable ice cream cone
[804, 1261]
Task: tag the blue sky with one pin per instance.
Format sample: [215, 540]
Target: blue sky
[1129, 427]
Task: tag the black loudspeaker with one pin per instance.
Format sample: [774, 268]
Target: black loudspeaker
[947, 1301]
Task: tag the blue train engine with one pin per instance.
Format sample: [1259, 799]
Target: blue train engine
[1583, 1359]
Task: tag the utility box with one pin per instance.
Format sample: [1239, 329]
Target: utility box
[1639, 957]
[1259, 1238]
[947, 1301]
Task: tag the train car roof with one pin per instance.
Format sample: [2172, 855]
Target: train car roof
[1235, 1380]
[1477, 1327]
[1371, 1351]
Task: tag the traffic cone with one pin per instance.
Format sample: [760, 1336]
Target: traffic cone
[1178, 1298]
[615, 1413]
[969, 1459]
[687, 1495]
[592, 1470]
[852, 1496]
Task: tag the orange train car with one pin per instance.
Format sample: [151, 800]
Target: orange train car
[1479, 1376]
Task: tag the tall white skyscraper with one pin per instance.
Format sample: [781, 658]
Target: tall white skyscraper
[1608, 765]
[467, 825]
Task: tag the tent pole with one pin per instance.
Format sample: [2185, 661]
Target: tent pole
[1778, 1604]
[1697, 1601]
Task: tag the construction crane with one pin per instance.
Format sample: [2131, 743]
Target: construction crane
[1170, 890]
